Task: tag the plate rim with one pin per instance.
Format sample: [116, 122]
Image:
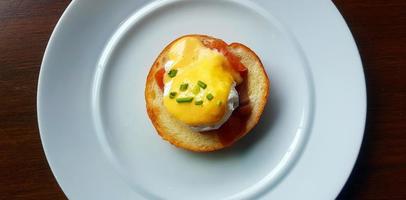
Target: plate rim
[52, 39]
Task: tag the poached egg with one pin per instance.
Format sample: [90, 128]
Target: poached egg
[199, 85]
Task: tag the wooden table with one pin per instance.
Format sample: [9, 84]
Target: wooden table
[379, 27]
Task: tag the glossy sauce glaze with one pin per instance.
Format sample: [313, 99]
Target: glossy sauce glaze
[234, 61]
[236, 125]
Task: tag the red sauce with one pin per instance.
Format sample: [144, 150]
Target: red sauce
[159, 77]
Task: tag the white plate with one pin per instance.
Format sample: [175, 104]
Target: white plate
[100, 143]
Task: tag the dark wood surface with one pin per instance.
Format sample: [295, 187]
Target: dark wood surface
[379, 27]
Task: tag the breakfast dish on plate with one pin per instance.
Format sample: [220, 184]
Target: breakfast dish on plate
[94, 125]
[203, 94]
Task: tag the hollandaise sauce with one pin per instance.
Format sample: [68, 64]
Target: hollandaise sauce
[197, 82]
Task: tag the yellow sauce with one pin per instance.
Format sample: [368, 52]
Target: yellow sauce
[194, 62]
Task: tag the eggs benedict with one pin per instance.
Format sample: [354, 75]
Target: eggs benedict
[198, 92]
[199, 87]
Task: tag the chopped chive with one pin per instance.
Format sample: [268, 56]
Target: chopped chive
[199, 102]
[202, 84]
[196, 89]
[184, 99]
[209, 96]
[172, 95]
[183, 87]
[219, 103]
[172, 73]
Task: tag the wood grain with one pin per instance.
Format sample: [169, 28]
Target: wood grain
[378, 26]
[25, 27]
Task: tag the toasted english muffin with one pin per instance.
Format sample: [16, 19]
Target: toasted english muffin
[253, 95]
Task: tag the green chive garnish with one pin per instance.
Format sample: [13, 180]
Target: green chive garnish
[196, 89]
[199, 102]
[172, 73]
[219, 103]
[209, 96]
[184, 99]
[172, 95]
[183, 87]
[202, 84]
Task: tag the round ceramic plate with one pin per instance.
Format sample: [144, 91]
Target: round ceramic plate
[101, 144]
